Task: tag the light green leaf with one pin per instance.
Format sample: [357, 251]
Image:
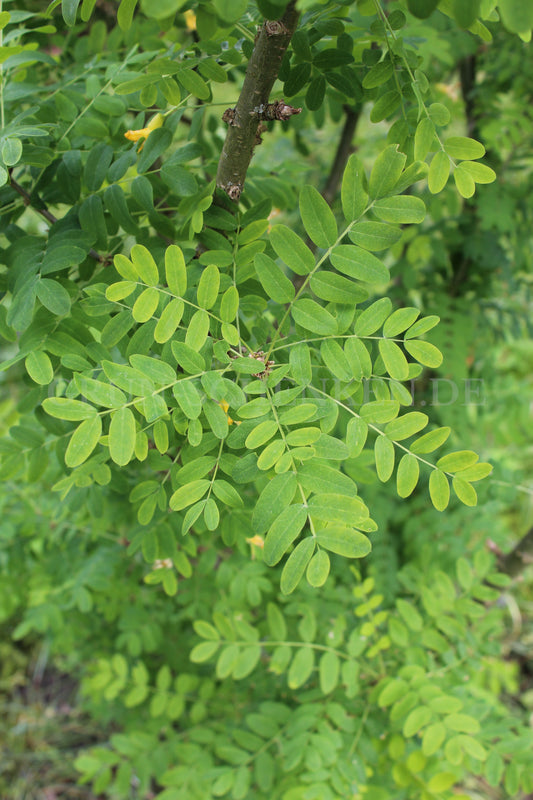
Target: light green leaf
[386, 172]
[191, 361]
[463, 147]
[314, 318]
[282, 533]
[318, 569]
[144, 265]
[275, 283]
[53, 296]
[276, 496]
[217, 419]
[188, 494]
[384, 454]
[145, 305]
[194, 83]
[335, 360]
[439, 489]
[128, 379]
[302, 437]
[373, 317]
[353, 196]
[83, 441]
[424, 352]
[203, 652]
[461, 459]
[424, 136]
[229, 305]
[359, 264]
[208, 286]
[399, 321]
[98, 392]
[374, 236]
[479, 172]
[119, 291]
[296, 564]
[198, 330]
[300, 361]
[430, 441]
[403, 427]
[122, 436]
[407, 475]
[169, 320]
[175, 270]
[439, 172]
[417, 719]
[344, 541]
[292, 250]
[335, 289]
[394, 360]
[476, 473]
[359, 358]
[356, 435]
[433, 738]
[317, 218]
[337, 508]
[39, 367]
[380, 411]
[261, 434]
[422, 326]
[400, 209]
[301, 667]
[64, 408]
[328, 672]
[464, 181]
[230, 10]
[464, 491]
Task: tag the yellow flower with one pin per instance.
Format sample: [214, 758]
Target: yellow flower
[255, 541]
[224, 406]
[190, 20]
[144, 133]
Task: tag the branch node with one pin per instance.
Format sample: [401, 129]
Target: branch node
[276, 28]
[229, 116]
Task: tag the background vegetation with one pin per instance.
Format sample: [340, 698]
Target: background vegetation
[179, 614]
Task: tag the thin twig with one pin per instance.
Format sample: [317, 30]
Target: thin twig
[45, 213]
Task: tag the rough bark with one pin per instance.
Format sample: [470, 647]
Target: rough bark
[244, 120]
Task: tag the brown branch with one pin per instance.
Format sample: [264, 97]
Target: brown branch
[344, 151]
[263, 68]
[45, 213]
[520, 557]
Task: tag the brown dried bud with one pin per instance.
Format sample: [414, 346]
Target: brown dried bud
[277, 110]
[275, 28]
[229, 116]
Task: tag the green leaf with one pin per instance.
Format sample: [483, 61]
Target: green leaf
[374, 236]
[439, 489]
[83, 441]
[416, 720]
[403, 427]
[373, 317]
[464, 491]
[464, 181]
[430, 441]
[302, 437]
[433, 738]
[64, 408]
[203, 652]
[301, 667]
[128, 379]
[314, 318]
[335, 360]
[39, 367]
[225, 492]
[229, 305]
[384, 454]
[480, 173]
[516, 15]
[145, 305]
[439, 172]
[188, 494]
[399, 321]
[230, 10]
[336, 289]
[422, 326]
[208, 287]
[424, 136]
[275, 283]
[98, 392]
[261, 434]
[463, 147]
[296, 564]
[275, 497]
[121, 290]
[191, 361]
[317, 218]
[424, 352]
[359, 264]
[318, 569]
[337, 508]
[378, 75]
[292, 250]
[300, 361]
[356, 436]
[11, 151]
[175, 270]
[328, 672]
[144, 265]
[282, 533]
[194, 84]
[169, 320]
[386, 171]
[125, 13]
[69, 9]
[407, 475]
[53, 296]
[400, 209]
[122, 436]
[344, 541]
[394, 360]
[198, 330]
[353, 196]
[461, 459]
[217, 419]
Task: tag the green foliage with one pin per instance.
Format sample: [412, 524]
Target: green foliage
[206, 396]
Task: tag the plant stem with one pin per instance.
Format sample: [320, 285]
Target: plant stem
[344, 150]
[263, 68]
